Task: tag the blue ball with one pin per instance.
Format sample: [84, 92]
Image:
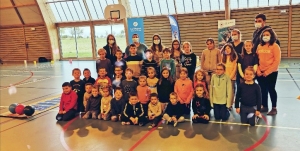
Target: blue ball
[12, 108]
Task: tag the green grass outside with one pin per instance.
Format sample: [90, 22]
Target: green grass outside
[84, 46]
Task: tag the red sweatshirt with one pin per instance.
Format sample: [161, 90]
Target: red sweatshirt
[184, 90]
[68, 101]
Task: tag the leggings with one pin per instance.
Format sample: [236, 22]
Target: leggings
[267, 85]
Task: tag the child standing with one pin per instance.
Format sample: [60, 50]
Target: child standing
[78, 86]
[103, 80]
[176, 53]
[87, 94]
[105, 104]
[103, 62]
[168, 62]
[128, 85]
[93, 105]
[210, 58]
[174, 113]
[154, 110]
[134, 62]
[184, 90]
[143, 92]
[220, 93]
[201, 105]
[229, 59]
[68, 103]
[165, 87]
[246, 59]
[157, 47]
[119, 77]
[120, 62]
[152, 80]
[117, 105]
[87, 76]
[189, 59]
[133, 112]
[249, 95]
[200, 78]
[149, 62]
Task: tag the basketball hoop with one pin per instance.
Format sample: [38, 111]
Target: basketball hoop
[112, 20]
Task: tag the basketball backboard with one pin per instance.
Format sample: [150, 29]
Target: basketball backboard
[115, 11]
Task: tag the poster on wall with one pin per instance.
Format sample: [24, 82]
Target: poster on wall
[224, 31]
[135, 26]
[174, 28]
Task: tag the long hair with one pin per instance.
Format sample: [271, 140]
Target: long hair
[233, 54]
[173, 49]
[205, 95]
[160, 46]
[187, 43]
[203, 74]
[273, 36]
[161, 76]
[114, 45]
[244, 50]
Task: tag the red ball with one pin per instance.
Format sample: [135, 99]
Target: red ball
[20, 109]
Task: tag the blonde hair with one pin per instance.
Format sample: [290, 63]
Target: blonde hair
[142, 78]
[184, 70]
[203, 74]
[187, 43]
[151, 69]
[173, 94]
[101, 50]
[239, 33]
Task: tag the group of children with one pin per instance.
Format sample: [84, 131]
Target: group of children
[151, 90]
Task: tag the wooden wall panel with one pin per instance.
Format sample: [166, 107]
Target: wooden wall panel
[13, 46]
[159, 25]
[278, 21]
[295, 38]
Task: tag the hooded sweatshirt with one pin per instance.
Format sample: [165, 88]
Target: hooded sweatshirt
[68, 101]
[220, 90]
[93, 103]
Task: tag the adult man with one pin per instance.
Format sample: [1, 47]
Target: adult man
[141, 47]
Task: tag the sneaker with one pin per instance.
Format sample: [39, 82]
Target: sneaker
[141, 124]
[264, 109]
[175, 124]
[272, 112]
[123, 123]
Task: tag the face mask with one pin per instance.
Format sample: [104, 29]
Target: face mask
[258, 25]
[111, 41]
[266, 38]
[135, 39]
[235, 37]
[156, 42]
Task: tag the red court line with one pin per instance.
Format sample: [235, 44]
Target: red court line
[144, 137]
[263, 138]
[62, 139]
[31, 74]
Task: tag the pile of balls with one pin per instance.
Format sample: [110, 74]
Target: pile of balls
[21, 109]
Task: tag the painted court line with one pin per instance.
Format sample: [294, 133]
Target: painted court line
[62, 134]
[31, 74]
[270, 126]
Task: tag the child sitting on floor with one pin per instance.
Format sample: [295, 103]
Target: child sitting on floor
[93, 105]
[68, 103]
[201, 105]
[154, 110]
[105, 104]
[87, 94]
[117, 105]
[133, 112]
[174, 113]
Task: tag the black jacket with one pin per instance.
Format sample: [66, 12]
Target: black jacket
[201, 106]
[174, 110]
[256, 37]
[117, 106]
[109, 54]
[164, 89]
[133, 110]
[93, 103]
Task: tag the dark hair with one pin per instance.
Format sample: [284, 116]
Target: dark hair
[233, 55]
[88, 84]
[273, 36]
[66, 84]
[129, 69]
[120, 67]
[114, 45]
[75, 69]
[160, 47]
[148, 50]
[154, 95]
[210, 40]
[135, 34]
[222, 65]
[132, 94]
[173, 49]
[118, 88]
[166, 50]
[262, 16]
[204, 92]
[132, 45]
[119, 50]
[86, 69]
[161, 76]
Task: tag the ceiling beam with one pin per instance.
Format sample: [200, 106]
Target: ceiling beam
[87, 10]
[20, 25]
[227, 9]
[86, 23]
[17, 11]
[5, 7]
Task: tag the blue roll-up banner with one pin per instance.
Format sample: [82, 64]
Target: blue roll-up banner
[135, 26]
[174, 28]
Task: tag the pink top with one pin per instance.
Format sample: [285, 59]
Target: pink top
[143, 94]
[184, 90]
[68, 101]
[269, 58]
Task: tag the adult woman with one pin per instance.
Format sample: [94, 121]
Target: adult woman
[157, 48]
[111, 47]
[269, 55]
[141, 47]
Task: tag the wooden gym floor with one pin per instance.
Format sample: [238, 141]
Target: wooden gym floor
[43, 133]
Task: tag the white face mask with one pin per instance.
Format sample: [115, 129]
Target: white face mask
[111, 42]
[266, 38]
[235, 37]
[135, 39]
[156, 42]
[258, 25]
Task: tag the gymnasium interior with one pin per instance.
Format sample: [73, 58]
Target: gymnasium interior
[42, 41]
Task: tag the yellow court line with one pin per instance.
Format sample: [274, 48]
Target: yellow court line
[271, 126]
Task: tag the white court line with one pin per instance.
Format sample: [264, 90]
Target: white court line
[230, 123]
[31, 77]
[28, 82]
